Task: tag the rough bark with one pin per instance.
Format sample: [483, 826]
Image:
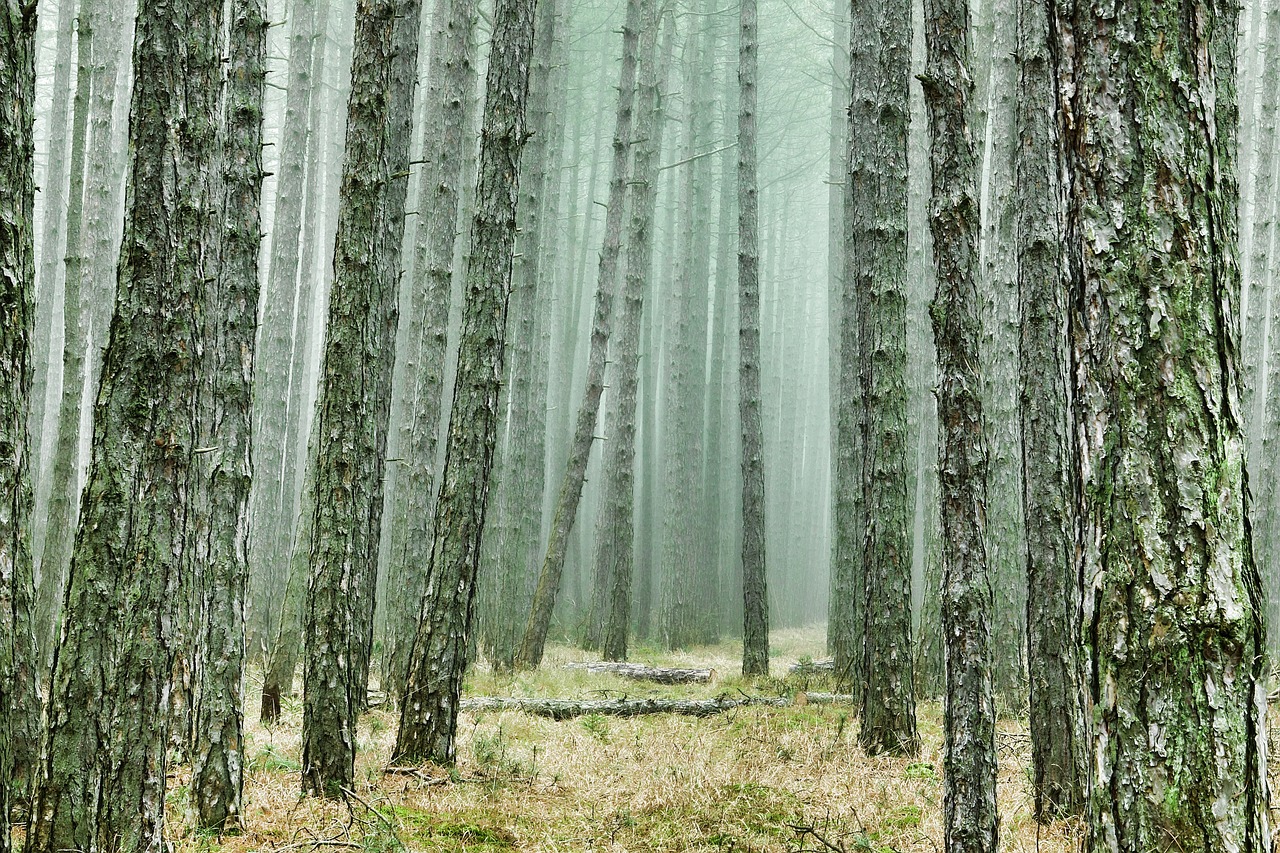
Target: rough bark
[18, 702]
[1173, 612]
[529, 655]
[640, 672]
[1059, 747]
[429, 707]
[355, 398]
[969, 758]
[222, 464]
[755, 630]
[880, 71]
[110, 694]
[567, 709]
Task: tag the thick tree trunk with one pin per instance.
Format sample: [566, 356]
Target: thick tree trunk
[1173, 612]
[19, 705]
[1059, 732]
[224, 421]
[755, 630]
[110, 694]
[880, 71]
[355, 398]
[529, 655]
[429, 707]
[969, 759]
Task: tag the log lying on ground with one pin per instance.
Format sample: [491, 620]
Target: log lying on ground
[640, 672]
[565, 709]
[825, 666]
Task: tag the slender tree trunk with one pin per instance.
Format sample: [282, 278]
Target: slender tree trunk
[534, 639]
[355, 397]
[969, 758]
[1059, 748]
[110, 695]
[19, 704]
[755, 631]
[1173, 611]
[429, 707]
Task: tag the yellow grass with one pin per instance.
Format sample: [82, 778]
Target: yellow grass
[752, 780]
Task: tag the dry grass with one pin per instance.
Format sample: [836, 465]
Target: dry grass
[752, 780]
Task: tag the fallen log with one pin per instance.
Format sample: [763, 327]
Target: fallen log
[823, 666]
[565, 709]
[640, 672]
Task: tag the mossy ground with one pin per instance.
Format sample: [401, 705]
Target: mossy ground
[758, 779]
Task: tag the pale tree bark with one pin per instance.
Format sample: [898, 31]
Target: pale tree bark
[222, 467]
[969, 757]
[110, 696]
[529, 654]
[429, 707]
[355, 397]
[1173, 610]
[755, 632]
[19, 704]
[880, 72]
[1059, 727]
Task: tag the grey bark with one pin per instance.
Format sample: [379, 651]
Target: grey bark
[110, 694]
[1059, 727]
[1173, 611]
[755, 631]
[567, 709]
[969, 757]
[355, 398]
[429, 707]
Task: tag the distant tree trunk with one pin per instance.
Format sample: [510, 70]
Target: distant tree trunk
[444, 145]
[880, 72]
[1059, 731]
[969, 758]
[19, 704]
[355, 397]
[224, 420]
[1173, 611]
[109, 705]
[615, 533]
[429, 707]
[755, 631]
[529, 655]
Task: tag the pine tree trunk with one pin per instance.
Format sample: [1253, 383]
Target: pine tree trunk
[222, 463]
[969, 759]
[429, 708]
[880, 71]
[755, 631]
[1173, 611]
[19, 704]
[110, 695]
[355, 399]
[1059, 748]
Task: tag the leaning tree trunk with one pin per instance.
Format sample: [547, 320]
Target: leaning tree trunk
[880, 74]
[969, 759]
[1173, 611]
[224, 421]
[529, 655]
[110, 698]
[1059, 750]
[429, 707]
[18, 703]
[355, 398]
[755, 630]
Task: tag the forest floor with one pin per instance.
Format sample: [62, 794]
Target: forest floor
[751, 779]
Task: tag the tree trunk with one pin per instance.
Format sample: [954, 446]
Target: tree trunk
[19, 703]
[969, 759]
[755, 629]
[355, 398]
[1173, 612]
[109, 705]
[880, 72]
[429, 708]
[1059, 748]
